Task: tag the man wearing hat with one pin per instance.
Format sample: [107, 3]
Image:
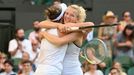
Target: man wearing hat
[109, 18]
[107, 33]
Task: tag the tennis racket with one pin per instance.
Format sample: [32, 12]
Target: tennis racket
[94, 51]
[95, 26]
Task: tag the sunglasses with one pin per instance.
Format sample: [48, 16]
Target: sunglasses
[126, 15]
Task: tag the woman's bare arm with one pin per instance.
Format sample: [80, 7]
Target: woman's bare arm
[65, 27]
[50, 24]
[62, 40]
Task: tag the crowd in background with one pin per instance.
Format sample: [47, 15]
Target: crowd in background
[119, 40]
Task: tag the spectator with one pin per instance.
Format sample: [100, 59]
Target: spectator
[114, 71]
[19, 44]
[3, 58]
[8, 68]
[127, 19]
[107, 33]
[35, 51]
[26, 57]
[33, 36]
[123, 43]
[92, 70]
[119, 67]
[26, 68]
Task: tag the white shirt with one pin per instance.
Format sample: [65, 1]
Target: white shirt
[90, 36]
[27, 47]
[51, 54]
[30, 73]
[97, 72]
[33, 36]
[11, 73]
[34, 54]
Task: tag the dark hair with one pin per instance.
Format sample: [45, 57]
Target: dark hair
[28, 61]
[17, 29]
[9, 62]
[130, 27]
[52, 12]
[115, 69]
[125, 12]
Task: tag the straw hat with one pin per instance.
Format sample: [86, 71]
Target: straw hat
[109, 14]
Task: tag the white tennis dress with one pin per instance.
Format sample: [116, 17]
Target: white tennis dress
[50, 59]
[71, 64]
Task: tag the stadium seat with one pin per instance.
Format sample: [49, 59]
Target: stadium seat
[131, 71]
[16, 62]
[27, 32]
[107, 71]
[108, 61]
[125, 61]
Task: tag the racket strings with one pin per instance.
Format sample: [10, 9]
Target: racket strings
[94, 51]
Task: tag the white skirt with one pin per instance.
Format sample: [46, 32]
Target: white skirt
[47, 70]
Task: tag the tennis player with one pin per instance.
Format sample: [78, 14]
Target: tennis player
[74, 14]
[50, 59]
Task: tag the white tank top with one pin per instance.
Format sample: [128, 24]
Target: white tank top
[71, 64]
[51, 54]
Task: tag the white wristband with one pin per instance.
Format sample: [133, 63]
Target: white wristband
[43, 29]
